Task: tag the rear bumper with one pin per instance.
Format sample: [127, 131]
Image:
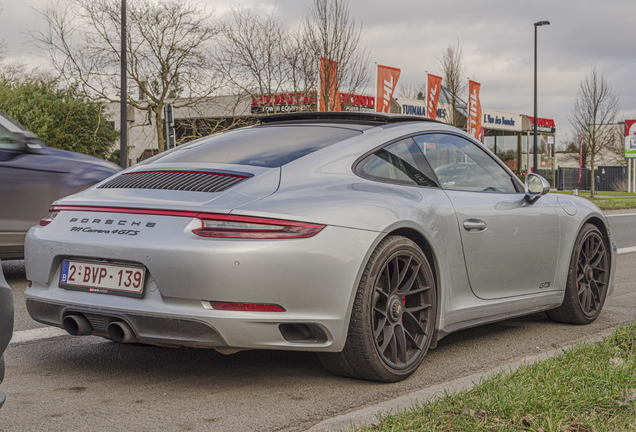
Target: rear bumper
[147, 329]
[313, 279]
[6, 324]
[2, 395]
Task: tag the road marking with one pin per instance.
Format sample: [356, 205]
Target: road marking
[37, 334]
[626, 250]
[624, 214]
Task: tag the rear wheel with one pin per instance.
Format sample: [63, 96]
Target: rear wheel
[393, 316]
[588, 277]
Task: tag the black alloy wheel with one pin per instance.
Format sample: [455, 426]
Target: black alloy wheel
[393, 316]
[401, 309]
[588, 279]
[592, 274]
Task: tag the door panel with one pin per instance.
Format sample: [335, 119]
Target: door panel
[510, 246]
[27, 192]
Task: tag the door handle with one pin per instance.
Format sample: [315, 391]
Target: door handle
[474, 225]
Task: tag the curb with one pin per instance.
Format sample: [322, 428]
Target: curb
[369, 414]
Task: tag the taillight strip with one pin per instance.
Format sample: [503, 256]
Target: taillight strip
[178, 213]
[191, 214]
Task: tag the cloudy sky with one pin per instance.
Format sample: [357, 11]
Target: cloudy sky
[497, 38]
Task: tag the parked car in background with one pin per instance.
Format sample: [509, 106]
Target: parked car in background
[326, 232]
[6, 324]
[32, 176]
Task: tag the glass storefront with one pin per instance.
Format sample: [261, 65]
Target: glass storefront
[545, 154]
[505, 145]
[510, 136]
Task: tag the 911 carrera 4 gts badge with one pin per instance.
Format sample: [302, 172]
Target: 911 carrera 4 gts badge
[100, 231]
[123, 222]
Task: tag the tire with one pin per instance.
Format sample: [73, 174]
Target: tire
[393, 316]
[588, 277]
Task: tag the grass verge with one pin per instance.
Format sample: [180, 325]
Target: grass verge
[586, 194]
[614, 204]
[608, 200]
[590, 387]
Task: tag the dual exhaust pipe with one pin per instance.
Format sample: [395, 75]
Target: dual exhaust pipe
[78, 325]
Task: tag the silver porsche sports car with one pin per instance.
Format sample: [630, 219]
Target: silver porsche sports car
[347, 234]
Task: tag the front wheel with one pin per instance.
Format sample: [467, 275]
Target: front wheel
[588, 278]
[393, 315]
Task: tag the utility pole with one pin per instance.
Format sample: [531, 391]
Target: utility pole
[534, 158]
[123, 149]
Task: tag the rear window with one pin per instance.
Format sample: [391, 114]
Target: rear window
[269, 146]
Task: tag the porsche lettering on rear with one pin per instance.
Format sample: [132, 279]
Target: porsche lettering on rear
[121, 222]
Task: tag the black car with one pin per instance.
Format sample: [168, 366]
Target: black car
[6, 324]
[32, 176]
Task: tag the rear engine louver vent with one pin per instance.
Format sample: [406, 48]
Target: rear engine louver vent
[193, 181]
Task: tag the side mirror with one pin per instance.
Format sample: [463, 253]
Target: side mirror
[30, 143]
[536, 187]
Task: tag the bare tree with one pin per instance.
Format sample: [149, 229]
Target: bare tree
[303, 73]
[332, 33]
[454, 75]
[168, 50]
[413, 92]
[617, 145]
[258, 57]
[572, 151]
[3, 45]
[18, 72]
[593, 115]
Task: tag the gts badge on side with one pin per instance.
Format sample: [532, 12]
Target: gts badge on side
[545, 285]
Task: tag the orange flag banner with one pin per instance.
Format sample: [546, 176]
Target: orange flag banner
[433, 87]
[387, 80]
[329, 93]
[474, 109]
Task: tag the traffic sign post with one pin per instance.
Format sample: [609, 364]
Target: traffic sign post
[168, 127]
[630, 153]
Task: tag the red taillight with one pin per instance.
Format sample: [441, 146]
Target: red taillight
[249, 307]
[225, 226]
[53, 211]
[29, 283]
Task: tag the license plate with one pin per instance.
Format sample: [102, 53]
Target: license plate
[103, 278]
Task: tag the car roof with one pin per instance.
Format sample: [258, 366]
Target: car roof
[350, 117]
[9, 124]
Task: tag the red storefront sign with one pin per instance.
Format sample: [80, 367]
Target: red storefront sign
[292, 102]
[544, 124]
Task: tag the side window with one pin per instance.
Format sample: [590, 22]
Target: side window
[401, 162]
[461, 165]
[7, 140]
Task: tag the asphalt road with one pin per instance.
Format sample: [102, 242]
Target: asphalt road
[88, 383]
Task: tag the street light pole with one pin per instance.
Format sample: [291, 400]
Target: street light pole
[534, 159]
[123, 137]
